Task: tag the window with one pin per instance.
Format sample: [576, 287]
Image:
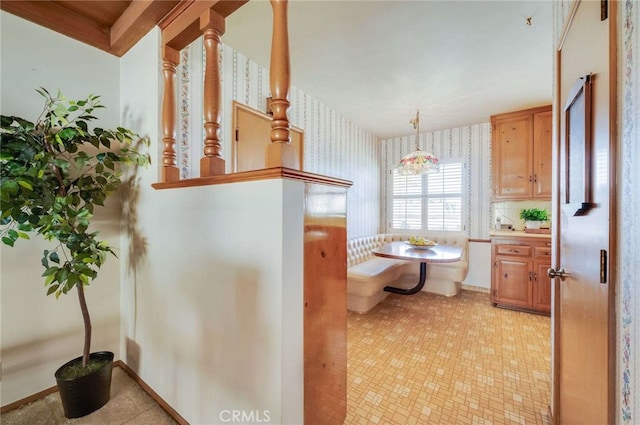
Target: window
[428, 202]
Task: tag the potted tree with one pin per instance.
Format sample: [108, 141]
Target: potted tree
[54, 172]
[534, 217]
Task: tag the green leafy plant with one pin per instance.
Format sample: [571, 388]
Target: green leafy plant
[534, 214]
[54, 172]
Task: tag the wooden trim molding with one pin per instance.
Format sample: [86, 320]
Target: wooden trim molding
[154, 395]
[253, 175]
[554, 408]
[613, 203]
[135, 22]
[325, 305]
[512, 114]
[118, 363]
[30, 399]
[568, 23]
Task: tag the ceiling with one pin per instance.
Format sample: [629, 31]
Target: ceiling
[375, 62]
[113, 26]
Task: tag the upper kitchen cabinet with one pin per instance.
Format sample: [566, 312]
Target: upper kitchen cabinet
[521, 154]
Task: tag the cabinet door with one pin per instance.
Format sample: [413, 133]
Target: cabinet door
[512, 154]
[512, 281]
[542, 155]
[541, 287]
[252, 134]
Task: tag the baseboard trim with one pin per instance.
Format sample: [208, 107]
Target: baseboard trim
[476, 289]
[118, 363]
[165, 406]
[34, 397]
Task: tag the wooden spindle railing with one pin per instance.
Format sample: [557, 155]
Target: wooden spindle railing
[212, 163]
[170, 59]
[187, 22]
[280, 152]
[180, 29]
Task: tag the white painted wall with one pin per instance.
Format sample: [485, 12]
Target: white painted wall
[212, 314]
[40, 333]
[479, 265]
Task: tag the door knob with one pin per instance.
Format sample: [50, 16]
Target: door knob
[561, 273]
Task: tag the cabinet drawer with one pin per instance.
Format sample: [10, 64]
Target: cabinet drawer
[542, 251]
[507, 249]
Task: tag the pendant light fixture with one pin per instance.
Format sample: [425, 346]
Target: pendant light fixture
[418, 161]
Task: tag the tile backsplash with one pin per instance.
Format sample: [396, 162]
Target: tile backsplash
[509, 212]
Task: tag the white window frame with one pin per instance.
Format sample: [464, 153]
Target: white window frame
[463, 195]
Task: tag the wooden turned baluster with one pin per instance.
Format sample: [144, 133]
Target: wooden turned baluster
[280, 152]
[212, 164]
[170, 59]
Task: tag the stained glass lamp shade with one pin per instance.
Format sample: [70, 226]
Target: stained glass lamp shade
[418, 161]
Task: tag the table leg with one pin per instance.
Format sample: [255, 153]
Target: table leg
[415, 289]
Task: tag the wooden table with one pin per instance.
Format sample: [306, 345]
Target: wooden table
[404, 251]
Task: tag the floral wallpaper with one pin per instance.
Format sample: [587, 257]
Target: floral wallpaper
[629, 196]
[471, 144]
[333, 144]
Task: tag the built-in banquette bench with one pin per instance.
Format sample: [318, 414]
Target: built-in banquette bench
[367, 275]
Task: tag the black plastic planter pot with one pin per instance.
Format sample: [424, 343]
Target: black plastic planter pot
[85, 394]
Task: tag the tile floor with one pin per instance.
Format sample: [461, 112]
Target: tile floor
[429, 359]
[421, 359]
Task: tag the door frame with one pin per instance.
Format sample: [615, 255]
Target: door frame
[558, 108]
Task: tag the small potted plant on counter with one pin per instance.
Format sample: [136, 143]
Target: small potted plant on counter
[534, 217]
[53, 173]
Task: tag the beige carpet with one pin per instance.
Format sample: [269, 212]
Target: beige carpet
[129, 405]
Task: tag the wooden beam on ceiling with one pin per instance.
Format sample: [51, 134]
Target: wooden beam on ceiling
[227, 7]
[139, 18]
[56, 17]
[182, 26]
[179, 20]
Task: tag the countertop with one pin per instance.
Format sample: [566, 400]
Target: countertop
[517, 234]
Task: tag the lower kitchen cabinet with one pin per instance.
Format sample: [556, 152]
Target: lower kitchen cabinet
[519, 275]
